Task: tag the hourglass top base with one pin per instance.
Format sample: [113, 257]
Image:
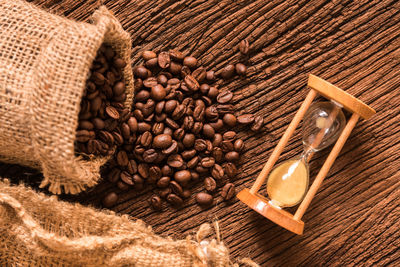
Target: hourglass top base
[333, 92]
[279, 216]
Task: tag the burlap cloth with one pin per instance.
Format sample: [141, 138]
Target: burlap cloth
[44, 63]
[38, 230]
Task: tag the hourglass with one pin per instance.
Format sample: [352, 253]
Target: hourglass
[287, 183]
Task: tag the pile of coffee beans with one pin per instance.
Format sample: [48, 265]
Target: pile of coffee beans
[102, 110]
[178, 132]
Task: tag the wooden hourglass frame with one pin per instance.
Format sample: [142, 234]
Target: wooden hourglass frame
[261, 204]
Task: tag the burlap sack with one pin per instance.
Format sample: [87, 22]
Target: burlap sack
[44, 64]
[37, 230]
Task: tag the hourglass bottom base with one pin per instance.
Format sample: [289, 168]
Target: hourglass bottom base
[279, 216]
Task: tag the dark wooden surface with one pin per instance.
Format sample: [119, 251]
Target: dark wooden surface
[354, 219]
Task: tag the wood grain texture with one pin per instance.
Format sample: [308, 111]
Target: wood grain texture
[354, 218]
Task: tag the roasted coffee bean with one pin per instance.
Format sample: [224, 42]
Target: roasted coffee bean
[228, 191]
[244, 47]
[176, 55]
[225, 108]
[207, 162]
[229, 136]
[210, 75]
[186, 193]
[193, 162]
[192, 83]
[173, 148]
[200, 169]
[227, 146]
[238, 145]
[158, 92]
[122, 158]
[204, 88]
[123, 186]
[189, 61]
[224, 97]
[245, 119]
[229, 120]
[82, 136]
[146, 55]
[132, 167]
[182, 177]
[85, 125]
[217, 172]
[125, 131]
[175, 68]
[176, 188]
[156, 202]
[149, 83]
[98, 123]
[138, 84]
[195, 175]
[137, 180]
[112, 112]
[138, 115]
[163, 182]
[185, 71]
[146, 139]
[171, 123]
[188, 140]
[178, 112]
[174, 200]
[217, 140]
[170, 105]
[164, 192]
[162, 79]
[144, 127]
[154, 173]
[211, 113]
[158, 128]
[110, 200]
[179, 134]
[114, 175]
[126, 178]
[143, 170]
[150, 155]
[188, 154]
[257, 124]
[230, 169]
[119, 63]
[164, 60]
[208, 131]
[232, 156]
[197, 127]
[175, 161]
[199, 74]
[228, 72]
[151, 63]
[204, 199]
[167, 170]
[141, 72]
[200, 145]
[217, 125]
[199, 112]
[188, 123]
[241, 69]
[162, 141]
[209, 184]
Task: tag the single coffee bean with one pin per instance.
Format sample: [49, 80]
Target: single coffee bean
[150, 82]
[179, 134]
[208, 131]
[213, 92]
[217, 125]
[119, 63]
[204, 88]
[188, 140]
[156, 202]
[168, 131]
[114, 175]
[217, 140]
[188, 154]
[230, 169]
[110, 200]
[132, 167]
[151, 155]
[188, 123]
[158, 128]
[189, 61]
[146, 55]
[224, 97]
[154, 173]
[211, 113]
[210, 75]
[198, 113]
[228, 191]
[112, 112]
[200, 145]
[162, 141]
[207, 162]
[187, 193]
[195, 175]
[166, 170]
[176, 188]
[126, 178]
[228, 72]
[193, 162]
[209, 184]
[238, 145]
[204, 199]
[225, 108]
[197, 127]
[217, 172]
[141, 72]
[245, 119]
[85, 125]
[125, 131]
[182, 177]
[118, 88]
[98, 123]
[241, 69]
[176, 55]
[232, 156]
[170, 105]
[229, 136]
[82, 136]
[199, 74]
[151, 63]
[229, 120]
[178, 112]
[174, 200]
[164, 60]
[257, 124]
[244, 47]
[163, 182]
[146, 139]
[158, 92]
[162, 79]
[200, 169]
[123, 186]
[138, 115]
[142, 96]
[173, 148]
[122, 158]
[192, 83]
[175, 161]
[175, 68]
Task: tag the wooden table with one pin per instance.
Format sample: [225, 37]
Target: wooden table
[354, 219]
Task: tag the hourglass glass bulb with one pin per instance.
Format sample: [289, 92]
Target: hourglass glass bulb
[322, 125]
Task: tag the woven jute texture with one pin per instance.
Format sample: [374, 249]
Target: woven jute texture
[38, 230]
[44, 64]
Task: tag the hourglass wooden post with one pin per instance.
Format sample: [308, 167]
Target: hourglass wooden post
[262, 204]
